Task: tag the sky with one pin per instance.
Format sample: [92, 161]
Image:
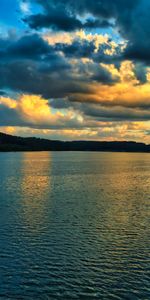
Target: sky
[75, 70]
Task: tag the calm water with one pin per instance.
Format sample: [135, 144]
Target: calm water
[74, 226]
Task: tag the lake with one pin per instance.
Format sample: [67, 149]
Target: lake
[74, 226]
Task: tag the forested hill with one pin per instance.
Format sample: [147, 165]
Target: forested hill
[15, 143]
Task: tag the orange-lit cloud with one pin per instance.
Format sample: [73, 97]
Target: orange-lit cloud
[35, 110]
[113, 110]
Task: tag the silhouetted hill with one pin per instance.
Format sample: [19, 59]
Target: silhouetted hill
[15, 143]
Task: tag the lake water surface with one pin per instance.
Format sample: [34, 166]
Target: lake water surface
[74, 226]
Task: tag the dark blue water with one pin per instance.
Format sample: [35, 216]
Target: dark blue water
[74, 226]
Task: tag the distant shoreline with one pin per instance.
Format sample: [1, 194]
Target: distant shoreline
[9, 143]
[69, 151]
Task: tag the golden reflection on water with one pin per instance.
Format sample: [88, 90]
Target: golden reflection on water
[127, 202]
[125, 198]
[35, 187]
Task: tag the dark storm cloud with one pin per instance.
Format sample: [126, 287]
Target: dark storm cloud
[97, 23]
[130, 17]
[52, 80]
[118, 113]
[60, 20]
[101, 75]
[101, 11]
[31, 46]
[137, 31]
[93, 100]
[29, 64]
[25, 47]
[138, 51]
[82, 48]
[64, 15]
[43, 79]
[140, 72]
[34, 47]
[56, 19]
[78, 48]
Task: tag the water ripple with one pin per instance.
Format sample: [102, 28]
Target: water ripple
[74, 226]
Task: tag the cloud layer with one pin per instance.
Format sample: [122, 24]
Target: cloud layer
[79, 68]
